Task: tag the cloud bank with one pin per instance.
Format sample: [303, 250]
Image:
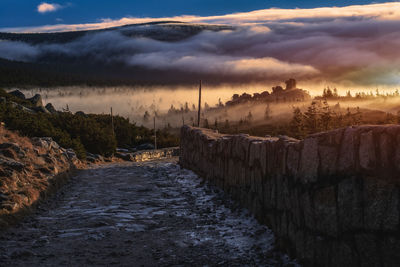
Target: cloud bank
[355, 45]
[385, 11]
[48, 7]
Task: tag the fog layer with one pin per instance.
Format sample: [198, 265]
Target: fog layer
[355, 46]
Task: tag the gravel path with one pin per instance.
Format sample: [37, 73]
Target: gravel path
[139, 214]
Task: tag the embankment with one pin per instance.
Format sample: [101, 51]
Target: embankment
[331, 199]
[30, 170]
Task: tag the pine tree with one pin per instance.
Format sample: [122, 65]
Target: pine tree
[186, 107]
[326, 116]
[146, 116]
[267, 113]
[206, 125]
[227, 126]
[250, 116]
[311, 118]
[297, 123]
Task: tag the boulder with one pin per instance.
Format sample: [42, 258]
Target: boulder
[309, 160]
[146, 146]
[21, 107]
[10, 150]
[124, 156]
[40, 142]
[367, 155]
[41, 109]
[36, 100]
[18, 94]
[13, 146]
[12, 164]
[291, 84]
[51, 108]
[94, 158]
[91, 159]
[81, 113]
[122, 150]
[45, 142]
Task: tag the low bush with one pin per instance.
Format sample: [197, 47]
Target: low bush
[83, 133]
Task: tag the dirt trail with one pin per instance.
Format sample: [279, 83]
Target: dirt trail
[139, 214]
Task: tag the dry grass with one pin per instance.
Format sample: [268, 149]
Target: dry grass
[24, 186]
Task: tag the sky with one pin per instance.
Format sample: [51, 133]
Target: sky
[351, 45]
[27, 13]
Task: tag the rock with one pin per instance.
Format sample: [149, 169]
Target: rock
[36, 100]
[12, 164]
[51, 143]
[12, 146]
[380, 205]
[90, 159]
[99, 157]
[291, 84]
[367, 151]
[9, 206]
[390, 250]
[18, 94]
[51, 108]
[7, 173]
[41, 109]
[328, 157]
[40, 142]
[21, 107]
[3, 197]
[309, 160]
[123, 150]
[9, 153]
[70, 153]
[367, 245]
[347, 154]
[45, 142]
[292, 162]
[81, 113]
[146, 146]
[325, 211]
[124, 156]
[386, 147]
[350, 205]
[94, 158]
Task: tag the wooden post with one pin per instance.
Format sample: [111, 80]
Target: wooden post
[198, 115]
[112, 122]
[155, 134]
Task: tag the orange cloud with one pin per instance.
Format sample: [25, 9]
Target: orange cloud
[48, 7]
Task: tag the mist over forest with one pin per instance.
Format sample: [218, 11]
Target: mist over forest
[151, 68]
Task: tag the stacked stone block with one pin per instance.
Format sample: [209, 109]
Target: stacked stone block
[332, 199]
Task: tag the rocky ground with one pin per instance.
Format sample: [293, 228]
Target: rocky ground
[28, 170]
[139, 214]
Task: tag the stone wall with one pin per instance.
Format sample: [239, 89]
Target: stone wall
[331, 199]
[146, 155]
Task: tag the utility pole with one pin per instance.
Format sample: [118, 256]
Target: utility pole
[198, 115]
[155, 134]
[112, 122]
